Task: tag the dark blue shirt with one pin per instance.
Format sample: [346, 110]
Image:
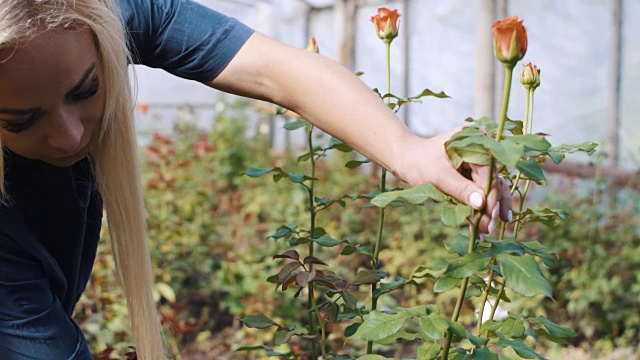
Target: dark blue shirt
[49, 234]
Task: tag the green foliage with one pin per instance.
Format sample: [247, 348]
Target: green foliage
[211, 242]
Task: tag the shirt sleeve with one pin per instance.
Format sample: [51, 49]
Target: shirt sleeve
[33, 324]
[182, 37]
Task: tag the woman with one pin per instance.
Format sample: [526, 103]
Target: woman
[66, 129]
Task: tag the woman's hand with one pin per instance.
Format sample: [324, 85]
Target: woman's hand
[425, 160]
[336, 101]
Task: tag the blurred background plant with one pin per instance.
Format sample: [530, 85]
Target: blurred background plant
[208, 229]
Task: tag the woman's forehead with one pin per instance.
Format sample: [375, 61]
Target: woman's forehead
[49, 64]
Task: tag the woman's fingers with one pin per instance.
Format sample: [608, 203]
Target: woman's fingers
[498, 202]
[427, 161]
[506, 202]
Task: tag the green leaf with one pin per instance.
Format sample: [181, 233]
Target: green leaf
[429, 350]
[282, 336]
[327, 241]
[506, 153]
[529, 141]
[378, 325]
[281, 110]
[523, 276]
[484, 354]
[506, 246]
[512, 328]
[351, 329]
[471, 153]
[445, 284]
[459, 245]
[531, 169]
[364, 250]
[467, 265]
[258, 321]
[348, 250]
[561, 332]
[556, 156]
[588, 147]
[283, 231]
[366, 277]
[437, 265]
[522, 349]
[269, 350]
[548, 256]
[491, 325]
[297, 178]
[515, 126]
[456, 329]
[399, 335]
[297, 124]
[356, 163]
[415, 195]
[427, 92]
[390, 286]
[454, 215]
[549, 217]
[349, 300]
[477, 341]
[478, 148]
[545, 334]
[433, 326]
[257, 172]
[338, 145]
[372, 357]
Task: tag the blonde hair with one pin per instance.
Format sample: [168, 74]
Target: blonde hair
[115, 152]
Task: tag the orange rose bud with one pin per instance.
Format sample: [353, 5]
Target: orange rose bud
[313, 45]
[143, 108]
[510, 39]
[386, 23]
[530, 76]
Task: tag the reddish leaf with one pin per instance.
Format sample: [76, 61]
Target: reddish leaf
[313, 260]
[326, 283]
[287, 270]
[289, 254]
[288, 282]
[131, 354]
[304, 277]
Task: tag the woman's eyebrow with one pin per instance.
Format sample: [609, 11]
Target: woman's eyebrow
[84, 78]
[35, 110]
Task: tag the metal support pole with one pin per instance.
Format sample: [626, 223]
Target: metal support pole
[614, 84]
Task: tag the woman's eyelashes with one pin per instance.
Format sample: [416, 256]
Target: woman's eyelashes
[88, 92]
[16, 127]
[81, 95]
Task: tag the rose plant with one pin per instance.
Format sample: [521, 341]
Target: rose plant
[480, 267]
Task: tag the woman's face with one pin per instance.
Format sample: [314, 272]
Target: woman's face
[51, 97]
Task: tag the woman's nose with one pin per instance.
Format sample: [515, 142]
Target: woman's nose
[65, 132]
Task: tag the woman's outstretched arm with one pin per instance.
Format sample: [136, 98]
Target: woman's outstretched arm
[335, 100]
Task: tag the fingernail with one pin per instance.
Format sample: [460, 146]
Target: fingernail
[492, 226]
[475, 199]
[510, 216]
[495, 212]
